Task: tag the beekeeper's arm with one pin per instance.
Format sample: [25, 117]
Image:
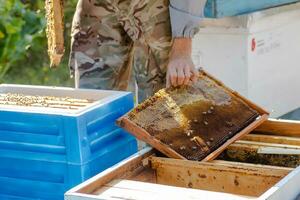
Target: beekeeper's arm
[185, 18]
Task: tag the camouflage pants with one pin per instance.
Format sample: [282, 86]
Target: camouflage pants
[117, 44]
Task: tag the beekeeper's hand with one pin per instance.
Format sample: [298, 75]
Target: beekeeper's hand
[181, 69]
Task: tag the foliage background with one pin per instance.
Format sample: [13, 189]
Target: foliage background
[23, 44]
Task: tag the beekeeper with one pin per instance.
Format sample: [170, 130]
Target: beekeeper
[121, 44]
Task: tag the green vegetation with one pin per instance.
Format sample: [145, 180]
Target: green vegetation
[23, 44]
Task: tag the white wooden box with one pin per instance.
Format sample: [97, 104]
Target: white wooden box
[145, 176]
[256, 54]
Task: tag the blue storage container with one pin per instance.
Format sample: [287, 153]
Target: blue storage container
[46, 151]
[225, 8]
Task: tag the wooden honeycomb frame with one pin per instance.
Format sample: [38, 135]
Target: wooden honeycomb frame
[55, 30]
[145, 136]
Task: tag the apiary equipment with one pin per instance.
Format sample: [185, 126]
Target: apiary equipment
[55, 30]
[195, 122]
[255, 54]
[221, 8]
[147, 176]
[52, 138]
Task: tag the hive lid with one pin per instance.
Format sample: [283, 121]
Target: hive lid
[196, 122]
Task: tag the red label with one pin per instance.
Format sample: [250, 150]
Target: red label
[253, 45]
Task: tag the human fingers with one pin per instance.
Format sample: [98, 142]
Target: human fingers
[188, 74]
[173, 77]
[180, 76]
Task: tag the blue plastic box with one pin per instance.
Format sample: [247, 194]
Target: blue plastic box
[225, 8]
[46, 151]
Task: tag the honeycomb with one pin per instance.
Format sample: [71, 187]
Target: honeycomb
[194, 120]
[15, 99]
[55, 30]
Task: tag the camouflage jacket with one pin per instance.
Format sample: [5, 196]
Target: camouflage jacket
[125, 44]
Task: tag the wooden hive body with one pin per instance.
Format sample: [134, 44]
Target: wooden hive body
[146, 176]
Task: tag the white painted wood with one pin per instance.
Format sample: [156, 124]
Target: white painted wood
[125, 189]
[276, 150]
[256, 54]
[80, 196]
[284, 120]
[107, 171]
[264, 144]
[286, 189]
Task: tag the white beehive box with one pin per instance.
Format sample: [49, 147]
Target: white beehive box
[263, 165]
[255, 54]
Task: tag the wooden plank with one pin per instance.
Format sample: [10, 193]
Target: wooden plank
[272, 139]
[225, 8]
[278, 151]
[251, 152]
[287, 188]
[271, 148]
[245, 131]
[123, 169]
[124, 189]
[143, 135]
[264, 144]
[280, 127]
[249, 165]
[222, 177]
[147, 175]
[114, 193]
[219, 164]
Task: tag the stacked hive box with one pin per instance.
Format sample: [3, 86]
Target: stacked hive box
[259, 41]
[221, 8]
[45, 151]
